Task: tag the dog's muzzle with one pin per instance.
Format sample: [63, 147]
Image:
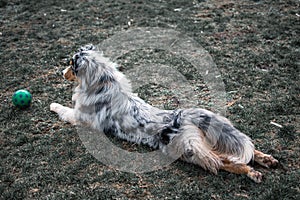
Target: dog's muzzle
[69, 74]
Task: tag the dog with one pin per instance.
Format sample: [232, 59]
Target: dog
[104, 100]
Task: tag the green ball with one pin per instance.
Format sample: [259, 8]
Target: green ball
[22, 98]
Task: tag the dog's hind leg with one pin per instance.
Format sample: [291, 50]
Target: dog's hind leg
[241, 168]
[65, 113]
[193, 149]
[265, 159]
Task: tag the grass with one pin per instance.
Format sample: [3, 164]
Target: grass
[254, 44]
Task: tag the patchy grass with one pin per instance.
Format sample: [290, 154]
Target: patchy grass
[255, 45]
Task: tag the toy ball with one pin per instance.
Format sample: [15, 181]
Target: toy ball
[22, 98]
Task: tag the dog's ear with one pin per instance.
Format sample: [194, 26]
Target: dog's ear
[88, 47]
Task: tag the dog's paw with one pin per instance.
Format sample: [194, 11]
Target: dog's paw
[55, 107]
[255, 176]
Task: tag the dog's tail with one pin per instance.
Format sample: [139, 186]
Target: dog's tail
[223, 137]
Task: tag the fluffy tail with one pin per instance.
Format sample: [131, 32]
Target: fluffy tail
[223, 137]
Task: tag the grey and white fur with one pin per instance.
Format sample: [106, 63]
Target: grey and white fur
[104, 100]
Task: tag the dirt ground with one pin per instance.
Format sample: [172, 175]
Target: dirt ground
[254, 43]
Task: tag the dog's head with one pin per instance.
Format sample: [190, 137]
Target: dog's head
[79, 63]
[91, 69]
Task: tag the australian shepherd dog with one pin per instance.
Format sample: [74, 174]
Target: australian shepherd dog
[194, 135]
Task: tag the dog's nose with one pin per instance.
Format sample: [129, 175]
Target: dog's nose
[62, 72]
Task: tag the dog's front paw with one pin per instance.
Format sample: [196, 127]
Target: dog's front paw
[55, 107]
